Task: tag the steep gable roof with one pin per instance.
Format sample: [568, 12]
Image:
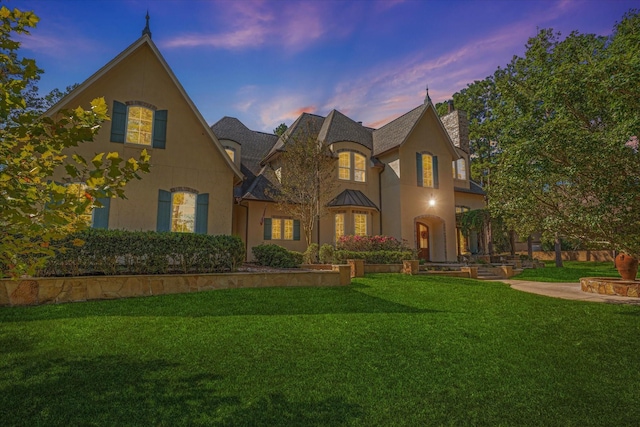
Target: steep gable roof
[396, 132]
[145, 40]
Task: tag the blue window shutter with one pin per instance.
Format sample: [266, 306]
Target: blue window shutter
[118, 122]
[164, 211]
[267, 229]
[160, 129]
[202, 212]
[435, 171]
[296, 229]
[101, 215]
[419, 169]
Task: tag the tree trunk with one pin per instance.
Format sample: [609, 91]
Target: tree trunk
[512, 242]
[530, 247]
[558, 249]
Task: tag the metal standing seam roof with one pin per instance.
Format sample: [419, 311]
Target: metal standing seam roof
[352, 198]
[475, 189]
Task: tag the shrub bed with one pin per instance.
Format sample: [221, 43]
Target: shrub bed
[271, 255]
[111, 252]
[374, 257]
[372, 249]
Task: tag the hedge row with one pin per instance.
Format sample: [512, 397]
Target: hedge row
[374, 257]
[111, 252]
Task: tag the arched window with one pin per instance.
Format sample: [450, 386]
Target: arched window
[352, 166]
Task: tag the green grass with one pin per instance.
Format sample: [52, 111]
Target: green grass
[388, 350]
[571, 271]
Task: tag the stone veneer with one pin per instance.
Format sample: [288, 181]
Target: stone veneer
[35, 291]
[611, 286]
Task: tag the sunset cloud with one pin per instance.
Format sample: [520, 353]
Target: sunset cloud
[251, 24]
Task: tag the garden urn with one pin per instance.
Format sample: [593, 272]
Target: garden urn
[627, 266]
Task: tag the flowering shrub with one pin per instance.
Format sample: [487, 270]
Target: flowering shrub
[370, 243]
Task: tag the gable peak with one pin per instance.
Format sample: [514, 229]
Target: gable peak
[146, 30]
[427, 99]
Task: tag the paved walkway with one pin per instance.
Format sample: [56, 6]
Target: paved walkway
[568, 291]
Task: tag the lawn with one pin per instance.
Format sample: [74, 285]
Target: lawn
[571, 271]
[388, 350]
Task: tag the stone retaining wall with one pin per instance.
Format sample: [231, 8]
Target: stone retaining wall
[573, 255]
[610, 286]
[34, 291]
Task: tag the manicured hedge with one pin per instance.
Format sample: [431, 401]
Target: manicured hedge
[111, 252]
[276, 256]
[374, 257]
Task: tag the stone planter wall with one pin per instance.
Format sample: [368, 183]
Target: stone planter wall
[383, 268]
[34, 291]
[610, 286]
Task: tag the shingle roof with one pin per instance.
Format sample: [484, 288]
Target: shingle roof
[396, 132]
[338, 127]
[352, 198]
[303, 124]
[255, 145]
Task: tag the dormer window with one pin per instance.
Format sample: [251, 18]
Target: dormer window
[352, 166]
[139, 123]
[231, 153]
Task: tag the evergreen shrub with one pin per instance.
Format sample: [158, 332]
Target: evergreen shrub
[271, 255]
[110, 252]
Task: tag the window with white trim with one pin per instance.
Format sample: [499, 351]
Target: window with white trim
[459, 168]
[183, 212]
[339, 225]
[352, 166]
[359, 224]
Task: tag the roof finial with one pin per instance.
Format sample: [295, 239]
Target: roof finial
[427, 99]
[147, 30]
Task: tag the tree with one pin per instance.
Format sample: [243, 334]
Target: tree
[570, 112]
[280, 130]
[35, 209]
[307, 178]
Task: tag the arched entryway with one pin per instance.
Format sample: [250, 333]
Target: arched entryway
[430, 238]
[422, 240]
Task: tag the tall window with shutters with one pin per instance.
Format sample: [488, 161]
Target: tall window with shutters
[137, 122]
[182, 210]
[427, 170]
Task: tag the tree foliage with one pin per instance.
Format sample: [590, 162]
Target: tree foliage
[307, 177]
[281, 129]
[479, 100]
[570, 116]
[36, 210]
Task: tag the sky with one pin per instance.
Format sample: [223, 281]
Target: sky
[266, 62]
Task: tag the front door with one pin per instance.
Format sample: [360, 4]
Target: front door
[422, 239]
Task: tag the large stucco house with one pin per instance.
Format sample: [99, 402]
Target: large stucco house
[406, 179]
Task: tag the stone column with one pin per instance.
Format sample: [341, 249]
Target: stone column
[410, 266]
[345, 273]
[357, 267]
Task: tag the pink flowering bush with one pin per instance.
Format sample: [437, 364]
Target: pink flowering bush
[370, 243]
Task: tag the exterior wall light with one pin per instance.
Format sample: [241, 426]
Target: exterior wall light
[432, 202]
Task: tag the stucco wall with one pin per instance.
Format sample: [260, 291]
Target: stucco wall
[190, 159]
